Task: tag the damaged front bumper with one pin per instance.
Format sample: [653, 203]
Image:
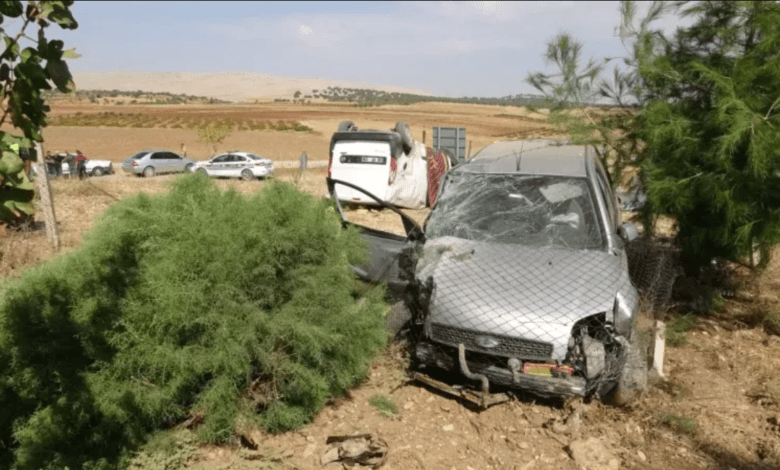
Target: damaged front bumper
[430, 354]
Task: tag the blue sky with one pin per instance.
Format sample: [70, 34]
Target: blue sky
[442, 48]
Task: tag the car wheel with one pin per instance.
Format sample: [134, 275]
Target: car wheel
[149, 171]
[97, 172]
[202, 172]
[247, 175]
[188, 168]
[347, 126]
[633, 376]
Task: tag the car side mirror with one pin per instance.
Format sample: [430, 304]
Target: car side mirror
[627, 232]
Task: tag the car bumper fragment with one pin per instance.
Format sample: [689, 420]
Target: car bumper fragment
[434, 355]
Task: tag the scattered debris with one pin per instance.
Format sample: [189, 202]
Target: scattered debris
[358, 451]
[570, 425]
[592, 454]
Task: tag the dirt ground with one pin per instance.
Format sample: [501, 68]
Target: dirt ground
[718, 408]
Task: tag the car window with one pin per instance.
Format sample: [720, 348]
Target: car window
[158, 156]
[220, 159]
[139, 155]
[172, 156]
[529, 210]
[254, 157]
[239, 158]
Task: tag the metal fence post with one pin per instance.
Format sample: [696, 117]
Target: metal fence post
[47, 203]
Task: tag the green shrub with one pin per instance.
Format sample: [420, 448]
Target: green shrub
[384, 405]
[195, 302]
[681, 424]
[676, 330]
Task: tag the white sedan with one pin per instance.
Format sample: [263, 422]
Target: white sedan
[244, 165]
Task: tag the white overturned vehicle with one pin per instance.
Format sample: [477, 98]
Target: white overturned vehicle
[519, 277]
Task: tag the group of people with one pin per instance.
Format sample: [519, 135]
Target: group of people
[77, 164]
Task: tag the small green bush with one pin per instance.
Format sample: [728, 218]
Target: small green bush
[681, 424]
[676, 330]
[195, 302]
[384, 405]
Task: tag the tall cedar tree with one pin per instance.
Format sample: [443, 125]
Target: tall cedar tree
[712, 131]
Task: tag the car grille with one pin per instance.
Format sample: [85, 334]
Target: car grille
[507, 346]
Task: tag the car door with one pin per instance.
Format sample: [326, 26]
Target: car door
[217, 166]
[390, 254]
[235, 163]
[241, 163]
[175, 162]
[160, 162]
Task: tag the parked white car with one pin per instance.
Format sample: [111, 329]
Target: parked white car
[244, 165]
[93, 167]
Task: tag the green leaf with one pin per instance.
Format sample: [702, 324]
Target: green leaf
[28, 53]
[54, 50]
[70, 54]
[10, 163]
[60, 14]
[11, 47]
[60, 74]
[43, 44]
[11, 8]
[46, 9]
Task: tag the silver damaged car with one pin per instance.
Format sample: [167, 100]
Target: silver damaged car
[519, 277]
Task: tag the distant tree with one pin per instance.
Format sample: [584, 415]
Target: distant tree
[213, 133]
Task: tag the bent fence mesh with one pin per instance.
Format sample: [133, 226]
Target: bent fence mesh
[518, 282]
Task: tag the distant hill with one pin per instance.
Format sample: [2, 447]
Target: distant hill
[365, 97]
[234, 87]
[195, 88]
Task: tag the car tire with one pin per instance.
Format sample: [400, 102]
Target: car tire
[407, 141]
[202, 172]
[149, 171]
[633, 376]
[247, 175]
[97, 171]
[188, 168]
[347, 126]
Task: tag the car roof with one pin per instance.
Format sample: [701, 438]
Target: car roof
[538, 157]
[236, 152]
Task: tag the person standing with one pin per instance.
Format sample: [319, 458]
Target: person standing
[70, 159]
[81, 164]
[183, 150]
[51, 165]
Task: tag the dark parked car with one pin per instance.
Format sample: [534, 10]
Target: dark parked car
[520, 277]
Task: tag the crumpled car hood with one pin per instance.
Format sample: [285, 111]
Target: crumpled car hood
[513, 290]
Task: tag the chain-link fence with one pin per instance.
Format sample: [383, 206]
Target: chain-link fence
[654, 264]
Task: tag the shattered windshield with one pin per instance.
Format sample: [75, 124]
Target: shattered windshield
[528, 210]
